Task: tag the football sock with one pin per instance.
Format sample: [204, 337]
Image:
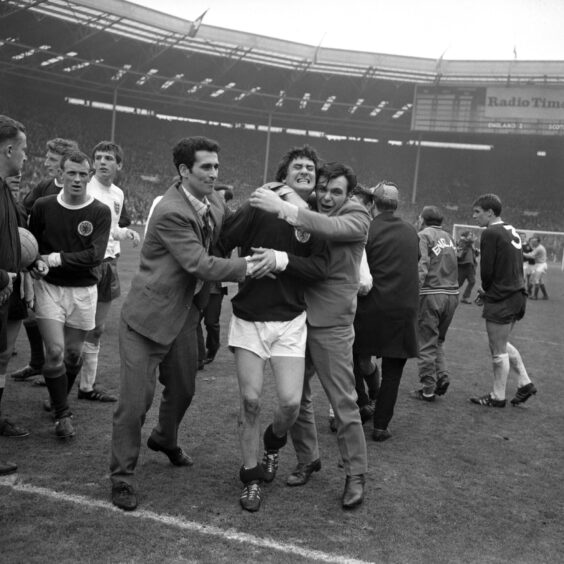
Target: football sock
[72, 371]
[271, 441]
[500, 371]
[247, 475]
[35, 344]
[516, 363]
[56, 381]
[90, 354]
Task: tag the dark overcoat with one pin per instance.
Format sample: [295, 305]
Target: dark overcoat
[386, 319]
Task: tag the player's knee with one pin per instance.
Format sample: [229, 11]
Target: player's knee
[54, 354]
[251, 409]
[290, 410]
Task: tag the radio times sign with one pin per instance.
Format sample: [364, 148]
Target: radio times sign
[519, 110]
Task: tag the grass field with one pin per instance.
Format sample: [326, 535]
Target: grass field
[456, 483]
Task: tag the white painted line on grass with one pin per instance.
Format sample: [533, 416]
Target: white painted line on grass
[12, 481]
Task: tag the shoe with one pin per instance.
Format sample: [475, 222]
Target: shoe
[488, 401]
[270, 465]
[10, 429]
[251, 496]
[366, 413]
[353, 495]
[25, 373]
[419, 395]
[39, 382]
[524, 393]
[201, 365]
[64, 428]
[465, 301]
[381, 435]
[7, 468]
[301, 475]
[124, 496]
[97, 394]
[442, 385]
[176, 455]
[208, 360]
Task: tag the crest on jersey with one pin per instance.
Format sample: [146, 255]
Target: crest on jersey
[301, 235]
[116, 208]
[85, 228]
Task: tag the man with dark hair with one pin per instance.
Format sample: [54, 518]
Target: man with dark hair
[52, 184]
[13, 145]
[504, 299]
[331, 304]
[386, 319]
[72, 230]
[269, 319]
[107, 158]
[162, 310]
[438, 298]
[466, 254]
[539, 270]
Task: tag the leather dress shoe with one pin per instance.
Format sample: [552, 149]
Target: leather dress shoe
[124, 496]
[301, 475]
[175, 455]
[380, 435]
[354, 491]
[7, 467]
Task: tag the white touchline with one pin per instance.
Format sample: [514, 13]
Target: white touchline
[229, 534]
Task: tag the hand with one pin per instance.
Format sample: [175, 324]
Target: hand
[6, 292]
[134, 236]
[479, 301]
[364, 289]
[266, 200]
[39, 269]
[264, 262]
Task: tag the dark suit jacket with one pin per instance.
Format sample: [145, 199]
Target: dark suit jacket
[386, 319]
[173, 259]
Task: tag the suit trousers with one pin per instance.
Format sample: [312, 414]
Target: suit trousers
[330, 349]
[140, 357]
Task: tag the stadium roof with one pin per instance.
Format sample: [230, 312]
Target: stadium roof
[96, 48]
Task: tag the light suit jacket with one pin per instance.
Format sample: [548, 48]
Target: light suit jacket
[332, 302]
[173, 258]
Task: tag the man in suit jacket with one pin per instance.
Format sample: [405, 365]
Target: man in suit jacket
[162, 310]
[331, 304]
[386, 319]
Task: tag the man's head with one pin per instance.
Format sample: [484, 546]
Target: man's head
[486, 209]
[196, 160]
[13, 146]
[334, 184]
[107, 158]
[224, 191]
[534, 241]
[431, 216]
[55, 150]
[298, 170]
[75, 175]
[386, 196]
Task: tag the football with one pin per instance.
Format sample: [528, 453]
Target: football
[29, 247]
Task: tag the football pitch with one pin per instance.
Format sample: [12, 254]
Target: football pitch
[455, 483]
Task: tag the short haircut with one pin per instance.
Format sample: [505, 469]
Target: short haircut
[184, 152]
[108, 147]
[363, 193]
[386, 196]
[305, 152]
[226, 189]
[61, 146]
[488, 202]
[333, 170]
[537, 237]
[75, 157]
[9, 128]
[465, 234]
[432, 215]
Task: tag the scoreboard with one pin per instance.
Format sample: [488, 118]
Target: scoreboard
[521, 110]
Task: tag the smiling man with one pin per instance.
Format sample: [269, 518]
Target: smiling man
[162, 310]
[269, 320]
[331, 305]
[72, 230]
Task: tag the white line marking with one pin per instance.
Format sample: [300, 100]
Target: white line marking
[228, 534]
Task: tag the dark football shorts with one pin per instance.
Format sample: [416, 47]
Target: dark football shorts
[506, 311]
[108, 286]
[17, 309]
